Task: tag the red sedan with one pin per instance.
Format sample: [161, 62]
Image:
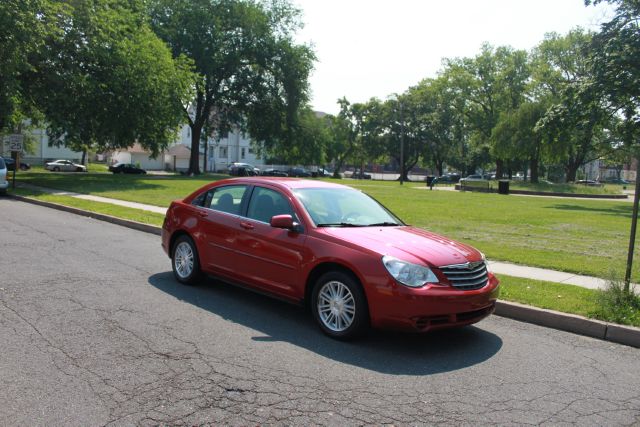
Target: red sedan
[334, 248]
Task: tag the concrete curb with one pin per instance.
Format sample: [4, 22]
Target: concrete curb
[147, 228]
[620, 334]
[627, 335]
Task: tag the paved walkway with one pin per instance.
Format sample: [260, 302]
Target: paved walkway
[495, 266]
[134, 205]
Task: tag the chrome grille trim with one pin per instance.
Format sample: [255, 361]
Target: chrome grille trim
[468, 276]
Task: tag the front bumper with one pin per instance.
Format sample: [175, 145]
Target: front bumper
[398, 307]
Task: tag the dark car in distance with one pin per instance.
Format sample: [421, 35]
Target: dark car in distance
[243, 169]
[11, 165]
[126, 168]
[358, 174]
[274, 172]
[331, 248]
[299, 172]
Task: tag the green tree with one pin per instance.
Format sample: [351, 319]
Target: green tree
[345, 129]
[310, 138]
[250, 71]
[493, 82]
[515, 136]
[25, 26]
[108, 81]
[575, 123]
[437, 120]
[615, 60]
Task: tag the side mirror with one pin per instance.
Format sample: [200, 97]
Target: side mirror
[284, 221]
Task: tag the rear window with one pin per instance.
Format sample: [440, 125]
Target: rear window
[2, 165]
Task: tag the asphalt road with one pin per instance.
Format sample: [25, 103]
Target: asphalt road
[95, 331]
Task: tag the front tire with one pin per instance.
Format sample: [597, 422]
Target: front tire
[185, 261]
[339, 306]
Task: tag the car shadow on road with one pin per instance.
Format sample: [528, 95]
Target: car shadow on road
[380, 351]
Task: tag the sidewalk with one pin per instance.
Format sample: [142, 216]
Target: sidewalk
[134, 205]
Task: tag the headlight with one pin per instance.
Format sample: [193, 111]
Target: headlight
[486, 263]
[409, 274]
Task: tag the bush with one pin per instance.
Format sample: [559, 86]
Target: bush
[617, 305]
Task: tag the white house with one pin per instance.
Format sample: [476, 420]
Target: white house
[42, 152]
[235, 147]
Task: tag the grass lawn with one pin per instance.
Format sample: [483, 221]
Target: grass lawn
[580, 236]
[564, 298]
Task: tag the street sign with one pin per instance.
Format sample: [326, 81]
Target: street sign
[14, 142]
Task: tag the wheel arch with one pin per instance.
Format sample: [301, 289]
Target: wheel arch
[326, 267]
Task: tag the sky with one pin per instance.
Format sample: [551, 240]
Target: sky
[374, 48]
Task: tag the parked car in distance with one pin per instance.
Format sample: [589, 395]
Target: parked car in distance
[450, 178]
[4, 184]
[358, 174]
[324, 173]
[331, 247]
[299, 172]
[473, 177]
[274, 172]
[126, 168]
[617, 181]
[243, 169]
[11, 164]
[64, 166]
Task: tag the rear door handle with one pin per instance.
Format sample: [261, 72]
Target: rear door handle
[246, 225]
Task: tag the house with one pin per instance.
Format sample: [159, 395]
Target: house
[42, 152]
[139, 156]
[234, 147]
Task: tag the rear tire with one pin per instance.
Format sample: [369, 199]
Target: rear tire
[56, 169]
[339, 306]
[185, 261]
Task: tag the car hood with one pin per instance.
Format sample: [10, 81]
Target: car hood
[407, 243]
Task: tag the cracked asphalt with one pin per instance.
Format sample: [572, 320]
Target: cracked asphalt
[95, 331]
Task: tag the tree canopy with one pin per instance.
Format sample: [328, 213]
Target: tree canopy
[250, 72]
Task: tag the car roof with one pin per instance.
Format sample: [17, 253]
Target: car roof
[291, 183]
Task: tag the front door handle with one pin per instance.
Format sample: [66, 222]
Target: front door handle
[246, 225]
[203, 214]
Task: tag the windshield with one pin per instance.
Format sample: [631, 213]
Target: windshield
[344, 207]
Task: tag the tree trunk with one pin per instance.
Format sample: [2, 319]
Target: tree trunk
[84, 157]
[440, 167]
[499, 168]
[571, 171]
[533, 165]
[194, 159]
[204, 153]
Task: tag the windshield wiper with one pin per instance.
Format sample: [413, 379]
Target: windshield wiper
[340, 224]
[383, 224]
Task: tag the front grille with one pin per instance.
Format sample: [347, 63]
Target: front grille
[469, 276]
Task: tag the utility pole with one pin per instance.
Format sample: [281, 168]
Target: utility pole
[401, 142]
[634, 222]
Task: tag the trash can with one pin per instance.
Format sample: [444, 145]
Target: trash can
[503, 186]
[430, 179]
